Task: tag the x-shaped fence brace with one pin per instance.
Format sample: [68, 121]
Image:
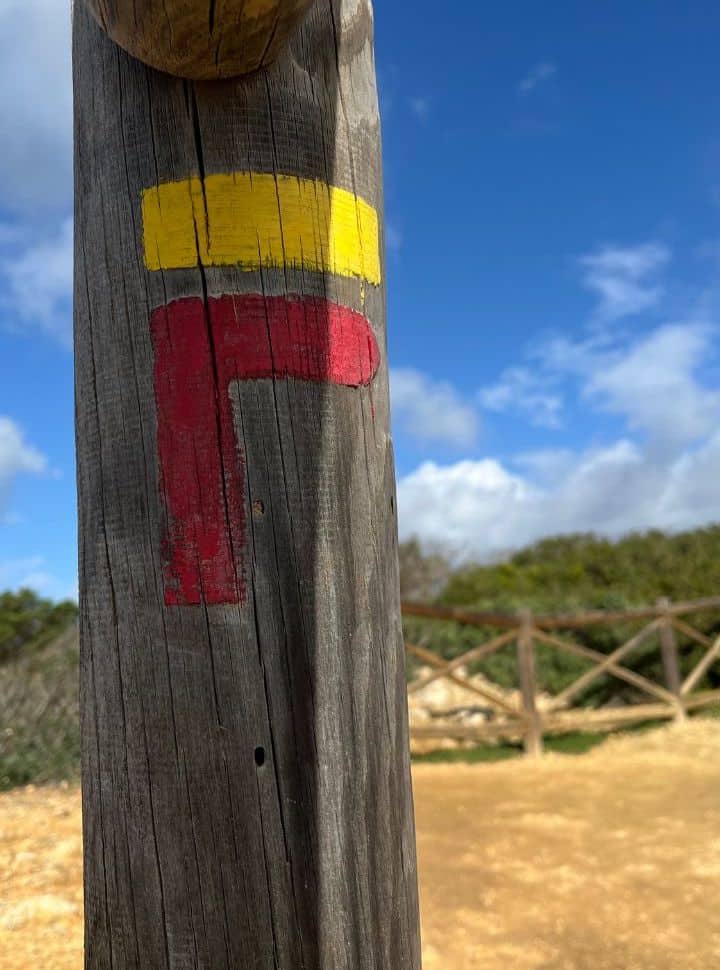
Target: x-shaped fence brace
[522, 716]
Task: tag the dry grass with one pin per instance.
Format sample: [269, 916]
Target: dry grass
[609, 861]
[40, 879]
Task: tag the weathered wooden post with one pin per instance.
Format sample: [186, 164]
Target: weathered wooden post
[671, 664]
[533, 739]
[246, 786]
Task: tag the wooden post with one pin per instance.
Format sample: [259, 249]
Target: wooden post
[528, 685]
[671, 665]
[246, 785]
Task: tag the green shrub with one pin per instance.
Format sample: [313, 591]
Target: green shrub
[28, 622]
[39, 715]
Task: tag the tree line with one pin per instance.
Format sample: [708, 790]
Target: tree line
[29, 622]
[565, 574]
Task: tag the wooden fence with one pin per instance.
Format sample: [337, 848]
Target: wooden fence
[530, 715]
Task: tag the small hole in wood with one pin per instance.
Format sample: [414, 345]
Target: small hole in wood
[258, 508]
[259, 757]
[392, 504]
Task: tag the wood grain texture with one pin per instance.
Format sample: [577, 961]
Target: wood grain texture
[246, 787]
[671, 659]
[202, 40]
[527, 675]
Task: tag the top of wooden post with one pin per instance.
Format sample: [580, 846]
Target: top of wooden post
[201, 40]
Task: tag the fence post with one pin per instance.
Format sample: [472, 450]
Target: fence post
[671, 665]
[528, 685]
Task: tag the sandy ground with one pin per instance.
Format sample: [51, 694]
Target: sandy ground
[610, 861]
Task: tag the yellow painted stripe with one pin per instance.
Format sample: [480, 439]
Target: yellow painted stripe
[254, 220]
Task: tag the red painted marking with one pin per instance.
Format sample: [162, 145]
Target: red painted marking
[198, 353]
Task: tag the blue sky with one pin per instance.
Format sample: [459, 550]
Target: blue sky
[553, 214]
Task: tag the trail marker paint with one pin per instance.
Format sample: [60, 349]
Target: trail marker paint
[254, 220]
[198, 354]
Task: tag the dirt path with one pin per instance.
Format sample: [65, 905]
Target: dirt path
[606, 862]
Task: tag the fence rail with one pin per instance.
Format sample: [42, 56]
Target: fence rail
[527, 715]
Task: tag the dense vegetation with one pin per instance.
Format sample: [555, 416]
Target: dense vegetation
[39, 652]
[568, 574]
[573, 572]
[39, 736]
[28, 623]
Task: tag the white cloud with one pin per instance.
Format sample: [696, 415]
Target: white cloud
[35, 107]
[546, 466]
[482, 509]
[520, 389]
[461, 507]
[38, 281]
[655, 380]
[691, 491]
[652, 380]
[654, 384]
[431, 410]
[16, 457]
[624, 278]
[541, 72]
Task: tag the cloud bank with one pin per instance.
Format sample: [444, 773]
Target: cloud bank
[655, 382]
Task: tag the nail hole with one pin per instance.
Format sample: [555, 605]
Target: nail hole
[259, 757]
[258, 508]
